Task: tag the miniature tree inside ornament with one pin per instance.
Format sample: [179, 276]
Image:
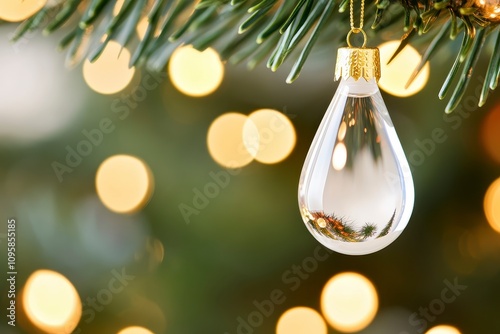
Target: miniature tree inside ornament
[356, 190]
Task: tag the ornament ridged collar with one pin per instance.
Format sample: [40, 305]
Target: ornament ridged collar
[358, 63]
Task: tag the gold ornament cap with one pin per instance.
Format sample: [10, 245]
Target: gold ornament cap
[358, 63]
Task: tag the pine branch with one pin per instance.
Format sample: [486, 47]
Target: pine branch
[252, 30]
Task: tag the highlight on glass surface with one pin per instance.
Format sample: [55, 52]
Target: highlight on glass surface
[356, 190]
[492, 205]
[301, 320]
[225, 140]
[19, 10]
[124, 183]
[110, 73]
[349, 302]
[395, 75]
[443, 329]
[195, 73]
[51, 302]
[269, 136]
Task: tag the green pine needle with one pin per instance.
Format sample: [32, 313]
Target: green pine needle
[264, 25]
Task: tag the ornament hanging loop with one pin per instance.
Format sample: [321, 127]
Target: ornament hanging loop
[356, 31]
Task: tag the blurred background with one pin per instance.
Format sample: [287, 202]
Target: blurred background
[184, 245]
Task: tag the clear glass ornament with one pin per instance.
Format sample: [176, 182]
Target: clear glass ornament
[356, 190]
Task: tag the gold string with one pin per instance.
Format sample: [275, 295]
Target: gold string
[361, 18]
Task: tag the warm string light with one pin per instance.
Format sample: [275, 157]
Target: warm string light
[124, 183]
[195, 73]
[301, 320]
[225, 141]
[118, 6]
[142, 27]
[19, 10]
[51, 302]
[396, 74]
[110, 73]
[135, 330]
[349, 302]
[234, 139]
[443, 329]
[492, 205]
[269, 136]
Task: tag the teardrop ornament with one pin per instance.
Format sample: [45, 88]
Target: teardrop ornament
[356, 190]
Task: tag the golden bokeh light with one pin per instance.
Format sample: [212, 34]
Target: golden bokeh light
[195, 73]
[19, 10]
[142, 27]
[349, 302]
[443, 329]
[492, 205]
[301, 320]
[269, 136]
[225, 141]
[490, 133]
[124, 183]
[110, 73]
[118, 6]
[396, 74]
[51, 302]
[135, 330]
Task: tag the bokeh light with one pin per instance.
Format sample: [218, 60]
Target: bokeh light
[349, 302]
[124, 183]
[443, 329]
[19, 10]
[142, 26]
[151, 254]
[110, 73]
[301, 320]
[32, 106]
[396, 74]
[225, 141]
[492, 205]
[118, 6]
[490, 133]
[51, 302]
[195, 73]
[135, 330]
[269, 136]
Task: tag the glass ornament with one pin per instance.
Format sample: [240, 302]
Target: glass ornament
[356, 190]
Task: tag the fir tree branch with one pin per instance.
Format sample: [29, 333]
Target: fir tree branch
[251, 29]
